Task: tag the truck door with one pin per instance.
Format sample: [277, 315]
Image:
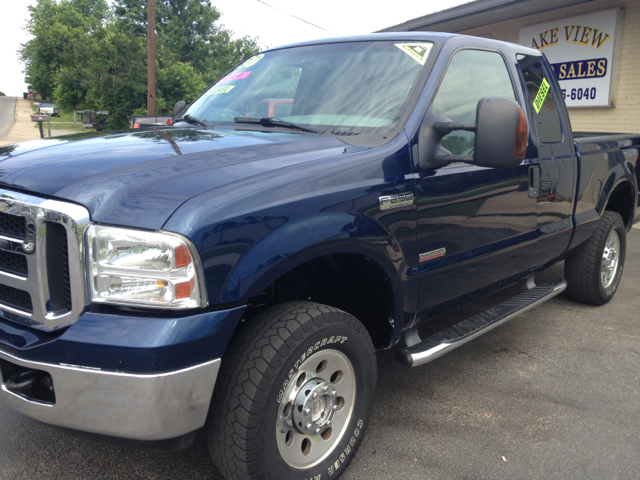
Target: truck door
[551, 140]
[476, 225]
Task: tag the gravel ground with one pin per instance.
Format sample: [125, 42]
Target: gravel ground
[553, 394]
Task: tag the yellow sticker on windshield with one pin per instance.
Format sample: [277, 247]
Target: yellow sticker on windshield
[217, 90]
[542, 94]
[418, 51]
[252, 61]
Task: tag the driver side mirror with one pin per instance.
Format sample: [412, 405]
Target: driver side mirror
[178, 109]
[500, 136]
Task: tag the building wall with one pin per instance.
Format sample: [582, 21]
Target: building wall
[624, 116]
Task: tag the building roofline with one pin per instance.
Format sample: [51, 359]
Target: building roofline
[479, 13]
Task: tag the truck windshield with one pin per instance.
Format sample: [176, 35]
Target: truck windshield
[357, 87]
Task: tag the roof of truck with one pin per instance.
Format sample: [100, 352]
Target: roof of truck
[438, 37]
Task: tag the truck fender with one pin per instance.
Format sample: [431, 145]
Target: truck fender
[297, 242]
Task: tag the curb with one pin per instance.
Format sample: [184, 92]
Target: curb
[15, 117]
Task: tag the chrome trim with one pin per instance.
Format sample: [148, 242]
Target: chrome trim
[436, 351]
[433, 254]
[133, 406]
[36, 211]
[394, 201]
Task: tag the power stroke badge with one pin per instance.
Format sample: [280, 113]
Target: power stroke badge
[433, 254]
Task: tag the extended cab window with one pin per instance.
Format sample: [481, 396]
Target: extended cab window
[471, 76]
[542, 100]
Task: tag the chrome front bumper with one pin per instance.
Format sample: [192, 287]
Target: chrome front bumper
[132, 406]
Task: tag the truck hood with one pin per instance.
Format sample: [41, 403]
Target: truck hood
[140, 178]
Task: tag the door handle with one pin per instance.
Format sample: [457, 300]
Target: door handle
[534, 181]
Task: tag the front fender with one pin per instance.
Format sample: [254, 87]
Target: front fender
[299, 242]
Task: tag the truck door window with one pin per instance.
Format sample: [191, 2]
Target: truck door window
[471, 76]
[541, 98]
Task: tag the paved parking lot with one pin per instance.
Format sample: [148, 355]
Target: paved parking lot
[553, 394]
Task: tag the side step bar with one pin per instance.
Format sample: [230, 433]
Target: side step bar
[453, 337]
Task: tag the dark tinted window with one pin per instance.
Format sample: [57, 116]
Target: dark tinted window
[543, 101]
[471, 76]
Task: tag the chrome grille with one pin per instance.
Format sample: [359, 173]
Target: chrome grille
[41, 260]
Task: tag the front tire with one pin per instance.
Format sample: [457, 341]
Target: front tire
[593, 273]
[294, 395]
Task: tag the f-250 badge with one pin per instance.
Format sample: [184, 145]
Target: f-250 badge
[394, 201]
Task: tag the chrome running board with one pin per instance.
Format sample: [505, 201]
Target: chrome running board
[457, 335]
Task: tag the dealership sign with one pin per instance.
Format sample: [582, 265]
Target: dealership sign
[580, 50]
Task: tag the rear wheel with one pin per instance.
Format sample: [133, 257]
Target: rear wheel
[593, 273]
[294, 395]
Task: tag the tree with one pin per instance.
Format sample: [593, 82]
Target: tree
[104, 71]
[90, 58]
[54, 26]
[187, 29]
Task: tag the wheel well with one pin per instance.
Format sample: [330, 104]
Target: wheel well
[621, 201]
[350, 282]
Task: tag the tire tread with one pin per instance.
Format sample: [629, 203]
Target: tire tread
[251, 363]
[582, 269]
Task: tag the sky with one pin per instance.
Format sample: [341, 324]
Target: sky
[244, 18]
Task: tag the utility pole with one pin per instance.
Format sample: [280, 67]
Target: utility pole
[151, 58]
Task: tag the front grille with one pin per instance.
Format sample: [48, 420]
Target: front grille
[58, 268]
[15, 263]
[13, 226]
[41, 272]
[15, 298]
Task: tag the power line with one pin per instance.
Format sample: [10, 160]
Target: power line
[301, 19]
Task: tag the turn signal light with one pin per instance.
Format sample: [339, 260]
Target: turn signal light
[520, 144]
[183, 257]
[183, 290]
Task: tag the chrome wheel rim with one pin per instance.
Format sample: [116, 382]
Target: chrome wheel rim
[315, 409]
[610, 259]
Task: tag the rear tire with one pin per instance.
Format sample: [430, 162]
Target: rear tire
[294, 395]
[593, 273]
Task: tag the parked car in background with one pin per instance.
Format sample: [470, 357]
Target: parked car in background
[94, 119]
[141, 121]
[48, 108]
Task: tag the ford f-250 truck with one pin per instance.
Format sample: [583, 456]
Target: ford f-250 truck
[237, 273]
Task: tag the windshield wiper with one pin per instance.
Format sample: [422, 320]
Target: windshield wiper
[276, 122]
[192, 121]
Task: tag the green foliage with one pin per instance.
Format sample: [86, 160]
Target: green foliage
[53, 26]
[2, 94]
[88, 57]
[187, 30]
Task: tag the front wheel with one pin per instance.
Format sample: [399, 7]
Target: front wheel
[593, 273]
[294, 395]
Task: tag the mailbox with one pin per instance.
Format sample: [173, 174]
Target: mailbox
[39, 119]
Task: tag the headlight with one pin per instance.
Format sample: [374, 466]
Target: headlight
[133, 267]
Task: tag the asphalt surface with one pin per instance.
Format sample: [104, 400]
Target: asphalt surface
[553, 394]
[7, 114]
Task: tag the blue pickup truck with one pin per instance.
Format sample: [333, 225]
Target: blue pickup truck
[236, 270]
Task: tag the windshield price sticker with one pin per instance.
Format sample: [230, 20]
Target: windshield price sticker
[235, 76]
[217, 90]
[252, 61]
[542, 94]
[418, 51]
